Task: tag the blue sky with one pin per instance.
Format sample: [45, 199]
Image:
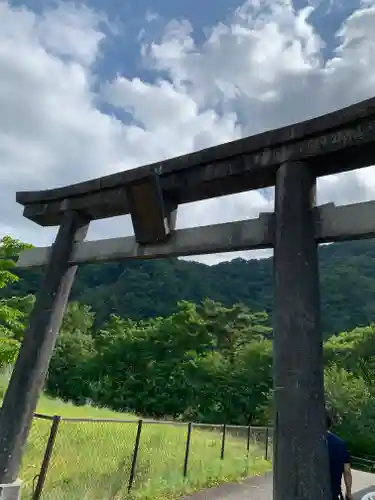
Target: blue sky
[129, 18]
[88, 90]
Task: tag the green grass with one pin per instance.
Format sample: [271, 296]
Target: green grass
[92, 460]
[49, 406]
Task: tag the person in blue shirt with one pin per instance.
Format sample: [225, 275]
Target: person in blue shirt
[339, 464]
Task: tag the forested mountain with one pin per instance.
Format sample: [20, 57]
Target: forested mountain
[198, 360]
[144, 289]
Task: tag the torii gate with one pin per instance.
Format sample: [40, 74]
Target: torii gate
[291, 158]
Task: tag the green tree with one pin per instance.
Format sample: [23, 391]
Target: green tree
[69, 374]
[14, 311]
[353, 407]
[234, 326]
[350, 387]
[189, 365]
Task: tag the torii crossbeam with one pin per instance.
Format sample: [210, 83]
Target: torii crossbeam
[291, 158]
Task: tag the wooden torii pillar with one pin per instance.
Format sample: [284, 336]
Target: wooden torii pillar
[300, 451]
[37, 347]
[291, 158]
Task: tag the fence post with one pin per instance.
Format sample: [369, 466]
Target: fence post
[223, 442]
[187, 449]
[266, 443]
[47, 457]
[248, 438]
[135, 455]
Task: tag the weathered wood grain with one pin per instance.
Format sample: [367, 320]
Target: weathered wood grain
[348, 222]
[301, 468]
[256, 233]
[35, 353]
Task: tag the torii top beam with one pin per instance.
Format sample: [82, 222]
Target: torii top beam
[336, 142]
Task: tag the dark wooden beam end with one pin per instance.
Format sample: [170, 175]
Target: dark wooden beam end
[153, 215]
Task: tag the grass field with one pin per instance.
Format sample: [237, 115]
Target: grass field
[92, 460]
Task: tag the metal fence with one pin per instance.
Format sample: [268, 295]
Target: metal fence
[106, 459]
[365, 463]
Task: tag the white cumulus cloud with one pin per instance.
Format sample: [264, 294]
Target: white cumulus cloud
[259, 69]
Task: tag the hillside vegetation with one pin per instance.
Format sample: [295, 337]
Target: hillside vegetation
[146, 289]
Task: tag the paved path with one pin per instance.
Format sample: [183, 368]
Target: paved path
[260, 488]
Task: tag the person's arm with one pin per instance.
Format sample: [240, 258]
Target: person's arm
[348, 480]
